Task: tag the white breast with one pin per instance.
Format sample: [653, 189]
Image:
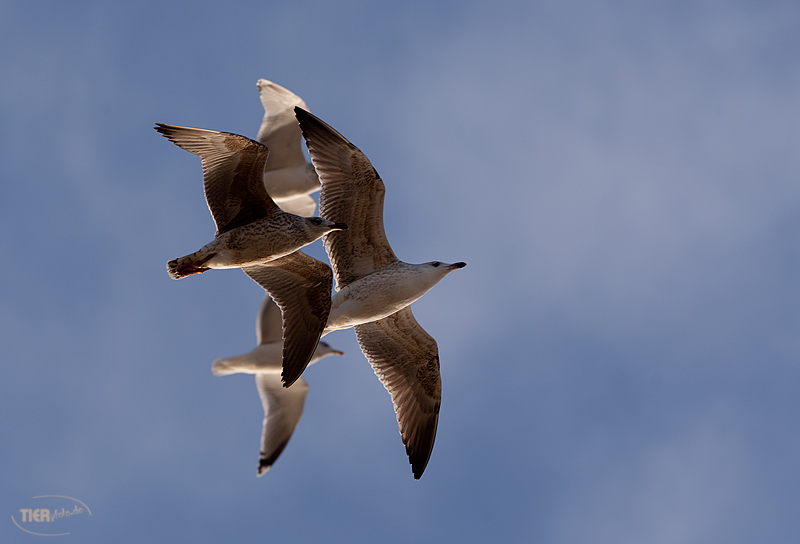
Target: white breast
[378, 295]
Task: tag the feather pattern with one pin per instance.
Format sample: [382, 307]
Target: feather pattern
[352, 193]
[301, 286]
[406, 360]
[233, 169]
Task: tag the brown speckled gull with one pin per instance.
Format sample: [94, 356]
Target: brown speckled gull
[254, 234]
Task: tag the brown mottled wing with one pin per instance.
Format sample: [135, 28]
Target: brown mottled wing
[301, 286]
[282, 410]
[279, 130]
[406, 360]
[352, 193]
[233, 170]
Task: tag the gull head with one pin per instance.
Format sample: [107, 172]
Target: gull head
[323, 350]
[422, 277]
[318, 226]
[444, 268]
[434, 271]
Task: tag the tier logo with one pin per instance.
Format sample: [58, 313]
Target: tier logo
[52, 515]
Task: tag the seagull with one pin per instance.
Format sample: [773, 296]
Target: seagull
[374, 289]
[288, 177]
[251, 228]
[254, 234]
[282, 406]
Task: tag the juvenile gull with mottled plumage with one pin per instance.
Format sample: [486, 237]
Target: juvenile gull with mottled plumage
[254, 234]
[375, 289]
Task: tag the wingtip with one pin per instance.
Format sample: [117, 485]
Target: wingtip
[420, 448]
[315, 128]
[265, 460]
[305, 117]
[418, 468]
[167, 131]
[296, 359]
[287, 379]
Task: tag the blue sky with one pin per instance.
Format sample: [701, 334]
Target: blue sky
[619, 358]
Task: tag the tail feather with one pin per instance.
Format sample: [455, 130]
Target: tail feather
[223, 367]
[187, 266]
[247, 363]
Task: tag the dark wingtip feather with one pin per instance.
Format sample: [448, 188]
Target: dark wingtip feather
[163, 129]
[287, 379]
[296, 357]
[295, 367]
[420, 447]
[265, 461]
[291, 369]
[167, 131]
[418, 462]
[311, 126]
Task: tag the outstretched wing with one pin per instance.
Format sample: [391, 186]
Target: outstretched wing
[279, 129]
[406, 360]
[282, 410]
[352, 193]
[301, 286]
[233, 170]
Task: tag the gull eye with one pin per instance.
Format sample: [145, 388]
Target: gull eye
[316, 221]
[436, 264]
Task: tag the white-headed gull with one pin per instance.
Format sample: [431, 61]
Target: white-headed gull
[283, 406]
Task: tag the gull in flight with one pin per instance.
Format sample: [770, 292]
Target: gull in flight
[254, 234]
[375, 288]
[288, 177]
[282, 406]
